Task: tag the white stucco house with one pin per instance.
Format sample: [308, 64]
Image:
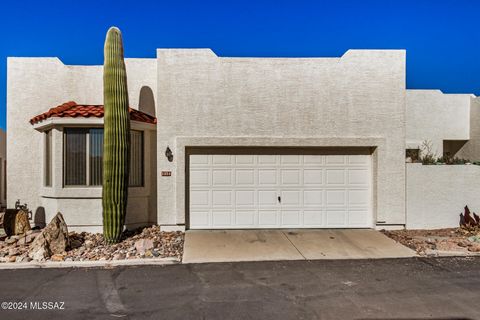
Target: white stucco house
[239, 143]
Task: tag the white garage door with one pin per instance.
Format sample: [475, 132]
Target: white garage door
[280, 191]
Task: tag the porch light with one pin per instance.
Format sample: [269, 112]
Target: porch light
[169, 154]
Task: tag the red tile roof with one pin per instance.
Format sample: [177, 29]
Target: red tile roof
[73, 110]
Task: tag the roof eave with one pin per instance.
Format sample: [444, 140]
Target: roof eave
[52, 122]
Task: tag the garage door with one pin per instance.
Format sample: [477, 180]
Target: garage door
[279, 191]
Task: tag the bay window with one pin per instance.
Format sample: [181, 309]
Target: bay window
[83, 157]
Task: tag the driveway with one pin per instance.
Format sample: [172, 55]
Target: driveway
[266, 245]
[411, 288]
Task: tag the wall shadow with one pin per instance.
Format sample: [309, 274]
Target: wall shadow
[39, 217]
[146, 101]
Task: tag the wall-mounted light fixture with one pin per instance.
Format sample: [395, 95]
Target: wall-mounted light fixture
[169, 154]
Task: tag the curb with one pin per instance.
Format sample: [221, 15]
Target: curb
[88, 264]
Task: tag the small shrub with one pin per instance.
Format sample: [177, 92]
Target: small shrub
[427, 156]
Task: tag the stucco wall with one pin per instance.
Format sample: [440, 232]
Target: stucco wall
[435, 116]
[437, 194]
[471, 150]
[356, 99]
[35, 85]
[3, 159]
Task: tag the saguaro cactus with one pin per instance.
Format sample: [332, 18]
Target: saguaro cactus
[116, 139]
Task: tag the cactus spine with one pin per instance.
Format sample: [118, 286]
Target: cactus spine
[116, 139]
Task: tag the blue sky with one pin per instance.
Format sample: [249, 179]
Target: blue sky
[442, 38]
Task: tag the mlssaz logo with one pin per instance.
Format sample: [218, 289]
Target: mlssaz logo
[47, 305]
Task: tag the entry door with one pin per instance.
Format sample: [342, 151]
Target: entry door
[280, 191]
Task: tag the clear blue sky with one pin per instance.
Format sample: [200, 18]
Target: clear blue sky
[442, 38]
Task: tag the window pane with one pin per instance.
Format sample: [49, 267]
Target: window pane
[48, 158]
[136, 159]
[75, 157]
[96, 157]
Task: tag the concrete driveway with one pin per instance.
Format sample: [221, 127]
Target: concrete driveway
[264, 245]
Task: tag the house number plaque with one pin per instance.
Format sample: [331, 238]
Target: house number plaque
[166, 173]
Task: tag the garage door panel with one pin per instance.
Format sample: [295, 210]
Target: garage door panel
[245, 198]
[290, 160]
[200, 198]
[200, 177]
[267, 197]
[335, 176]
[358, 217]
[336, 197]
[335, 160]
[359, 159]
[222, 218]
[358, 197]
[312, 197]
[245, 218]
[336, 218]
[313, 218]
[313, 160]
[222, 177]
[267, 177]
[245, 159]
[316, 191]
[313, 177]
[358, 177]
[291, 198]
[290, 218]
[199, 160]
[268, 218]
[267, 160]
[245, 177]
[199, 218]
[222, 198]
[222, 159]
[290, 177]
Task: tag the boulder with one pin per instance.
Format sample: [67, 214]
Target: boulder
[16, 222]
[52, 240]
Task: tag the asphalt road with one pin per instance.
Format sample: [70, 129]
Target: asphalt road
[446, 288]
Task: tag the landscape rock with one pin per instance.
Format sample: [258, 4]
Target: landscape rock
[16, 222]
[475, 248]
[143, 245]
[10, 240]
[30, 237]
[140, 243]
[57, 257]
[52, 240]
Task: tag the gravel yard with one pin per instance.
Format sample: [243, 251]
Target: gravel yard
[142, 243]
[434, 242]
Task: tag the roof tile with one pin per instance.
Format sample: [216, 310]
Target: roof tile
[73, 110]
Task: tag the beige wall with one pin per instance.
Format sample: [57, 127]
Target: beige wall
[471, 150]
[437, 194]
[3, 169]
[435, 116]
[35, 85]
[355, 100]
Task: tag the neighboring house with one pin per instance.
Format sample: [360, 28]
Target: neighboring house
[3, 169]
[242, 143]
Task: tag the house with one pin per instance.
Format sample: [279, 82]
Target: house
[222, 143]
[3, 168]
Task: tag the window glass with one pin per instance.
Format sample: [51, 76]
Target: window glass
[75, 157]
[48, 158]
[84, 159]
[96, 158]
[136, 159]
